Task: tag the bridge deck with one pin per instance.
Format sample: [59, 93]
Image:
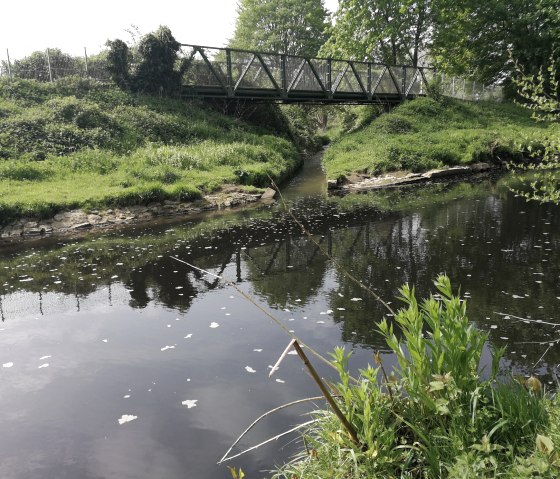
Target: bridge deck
[232, 73]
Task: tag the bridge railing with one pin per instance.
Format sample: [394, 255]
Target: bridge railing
[226, 72]
[229, 72]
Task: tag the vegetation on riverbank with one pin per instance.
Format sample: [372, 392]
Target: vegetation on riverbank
[76, 143]
[427, 133]
[440, 415]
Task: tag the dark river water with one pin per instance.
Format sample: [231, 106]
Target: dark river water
[119, 362]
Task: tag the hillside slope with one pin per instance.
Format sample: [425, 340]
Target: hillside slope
[424, 133]
[81, 144]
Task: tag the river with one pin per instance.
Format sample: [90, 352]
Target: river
[120, 362]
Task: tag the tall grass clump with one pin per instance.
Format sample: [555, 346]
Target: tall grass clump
[439, 413]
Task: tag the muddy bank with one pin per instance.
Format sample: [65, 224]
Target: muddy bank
[361, 182]
[77, 221]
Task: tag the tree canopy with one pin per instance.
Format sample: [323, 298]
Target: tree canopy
[295, 27]
[388, 31]
[475, 37]
[484, 38]
[152, 65]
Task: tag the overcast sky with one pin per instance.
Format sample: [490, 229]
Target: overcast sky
[71, 25]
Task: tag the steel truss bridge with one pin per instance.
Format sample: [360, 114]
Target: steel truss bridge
[243, 74]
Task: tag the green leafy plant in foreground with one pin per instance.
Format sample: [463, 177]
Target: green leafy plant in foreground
[438, 414]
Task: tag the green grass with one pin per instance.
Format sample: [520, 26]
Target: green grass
[76, 143]
[439, 416]
[424, 133]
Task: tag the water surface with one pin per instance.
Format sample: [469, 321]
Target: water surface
[104, 328]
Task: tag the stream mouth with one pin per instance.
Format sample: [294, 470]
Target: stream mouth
[117, 361]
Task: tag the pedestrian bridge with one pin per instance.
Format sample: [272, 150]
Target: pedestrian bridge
[259, 76]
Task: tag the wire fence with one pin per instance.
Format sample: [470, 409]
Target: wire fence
[52, 64]
[469, 89]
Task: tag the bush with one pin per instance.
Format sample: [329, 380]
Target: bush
[439, 414]
[393, 123]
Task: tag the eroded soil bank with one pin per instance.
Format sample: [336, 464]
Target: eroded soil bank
[75, 221]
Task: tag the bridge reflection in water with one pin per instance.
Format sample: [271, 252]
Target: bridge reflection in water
[232, 73]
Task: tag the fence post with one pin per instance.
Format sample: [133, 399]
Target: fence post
[86, 59]
[49, 65]
[474, 89]
[453, 86]
[9, 65]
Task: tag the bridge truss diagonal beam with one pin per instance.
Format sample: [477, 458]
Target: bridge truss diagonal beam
[263, 76]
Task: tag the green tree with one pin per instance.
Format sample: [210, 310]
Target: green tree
[387, 31]
[36, 65]
[118, 62]
[156, 56]
[296, 27]
[480, 37]
[153, 65]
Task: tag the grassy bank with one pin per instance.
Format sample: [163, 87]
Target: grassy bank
[439, 415]
[424, 133]
[77, 143]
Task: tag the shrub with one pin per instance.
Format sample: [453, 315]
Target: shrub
[439, 414]
[393, 124]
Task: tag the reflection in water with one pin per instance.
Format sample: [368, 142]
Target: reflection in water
[143, 325]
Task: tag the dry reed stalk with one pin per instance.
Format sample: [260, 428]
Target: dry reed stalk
[278, 436]
[262, 416]
[282, 356]
[349, 427]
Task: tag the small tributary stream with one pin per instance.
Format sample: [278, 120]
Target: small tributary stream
[116, 361]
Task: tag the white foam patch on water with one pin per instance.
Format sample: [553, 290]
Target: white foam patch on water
[249, 369]
[7, 365]
[280, 381]
[104, 340]
[292, 352]
[188, 336]
[257, 350]
[127, 418]
[320, 322]
[515, 296]
[214, 325]
[165, 348]
[45, 365]
[355, 299]
[42, 358]
[190, 403]
[126, 396]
